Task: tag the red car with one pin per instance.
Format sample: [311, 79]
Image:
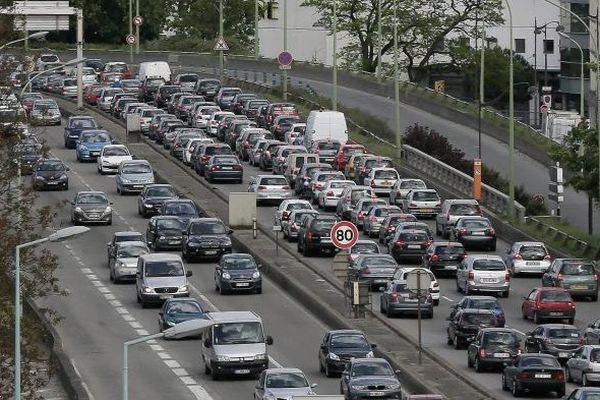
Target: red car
[548, 303]
[345, 153]
[117, 67]
[91, 93]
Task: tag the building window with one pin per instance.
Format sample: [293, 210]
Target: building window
[549, 46]
[583, 11]
[273, 10]
[492, 42]
[519, 45]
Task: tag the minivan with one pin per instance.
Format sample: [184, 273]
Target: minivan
[155, 69]
[235, 344]
[160, 276]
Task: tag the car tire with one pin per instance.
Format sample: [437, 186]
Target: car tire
[109, 222]
[436, 302]
[595, 297]
[456, 342]
[516, 392]
[477, 365]
[321, 367]
[258, 291]
[469, 362]
[523, 314]
[389, 313]
[381, 309]
[214, 374]
[506, 293]
[67, 188]
[568, 376]
[560, 393]
[584, 380]
[493, 247]
[466, 290]
[504, 385]
[138, 298]
[328, 372]
[449, 340]
[458, 288]
[536, 318]
[571, 321]
[155, 245]
[437, 229]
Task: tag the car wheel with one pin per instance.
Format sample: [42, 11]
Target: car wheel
[458, 288]
[506, 293]
[389, 313]
[584, 380]
[139, 300]
[477, 365]
[469, 362]
[155, 245]
[259, 290]
[560, 393]
[493, 247]
[466, 289]
[523, 314]
[568, 376]
[437, 229]
[328, 372]
[504, 385]
[214, 374]
[436, 302]
[571, 321]
[381, 309]
[321, 367]
[449, 340]
[456, 342]
[536, 318]
[595, 297]
[109, 222]
[111, 276]
[516, 392]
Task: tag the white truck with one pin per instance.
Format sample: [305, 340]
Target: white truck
[558, 124]
[325, 125]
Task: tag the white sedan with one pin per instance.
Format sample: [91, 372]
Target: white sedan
[111, 156]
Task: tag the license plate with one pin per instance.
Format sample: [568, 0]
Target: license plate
[477, 233]
[376, 393]
[556, 313]
[227, 168]
[243, 284]
[386, 183]
[532, 263]
[165, 296]
[579, 287]
[488, 280]
[52, 183]
[241, 371]
[94, 153]
[543, 376]
[138, 186]
[563, 355]
[450, 267]
[210, 252]
[380, 280]
[501, 355]
[414, 246]
[172, 242]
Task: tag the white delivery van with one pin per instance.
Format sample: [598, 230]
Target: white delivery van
[155, 69]
[325, 125]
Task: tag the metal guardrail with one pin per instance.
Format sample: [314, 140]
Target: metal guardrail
[558, 235]
[444, 174]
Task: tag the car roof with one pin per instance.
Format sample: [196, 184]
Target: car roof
[476, 311]
[160, 257]
[205, 220]
[269, 371]
[346, 332]
[91, 192]
[233, 316]
[368, 360]
[461, 201]
[480, 298]
[551, 289]
[485, 256]
[497, 329]
[126, 233]
[130, 243]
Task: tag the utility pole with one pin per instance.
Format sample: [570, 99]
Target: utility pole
[397, 89]
[80, 56]
[481, 88]
[285, 76]
[379, 40]
[221, 55]
[256, 55]
[130, 30]
[334, 93]
[137, 28]
[511, 125]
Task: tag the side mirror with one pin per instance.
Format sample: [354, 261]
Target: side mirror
[230, 231]
[398, 372]
[183, 232]
[314, 385]
[67, 169]
[373, 345]
[528, 333]
[507, 251]
[188, 273]
[323, 347]
[269, 340]
[138, 275]
[524, 297]
[259, 266]
[381, 289]
[111, 203]
[160, 313]
[207, 343]
[108, 243]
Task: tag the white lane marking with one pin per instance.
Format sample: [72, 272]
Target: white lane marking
[109, 296]
[77, 258]
[447, 298]
[115, 303]
[172, 364]
[142, 332]
[128, 317]
[92, 276]
[156, 347]
[68, 246]
[121, 310]
[180, 372]
[164, 356]
[104, 289]
[86, 271]
[275, 363]
[200, 392]
[81, 263]
[135, 325]
[187, 380]
[98, 284]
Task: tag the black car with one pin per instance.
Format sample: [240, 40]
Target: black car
[493, 348]
[206, 152]
[75, 125]
[153, 196]
[481, 303]
[465, 324]
[534, 373]
[444, 257]
[474, 232]
[224, 168]
[29, 153]
[207, 88]
[164, 232]
[205, 238]
[164, 93]
[585, 393]
[184, 209]
[314, 235]
[178, 310]
[50, 174]
[559, 340]
[238, 272]
[409, 244]
[367, 378]
[339, 347]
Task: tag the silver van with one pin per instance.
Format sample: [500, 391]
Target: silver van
[294, 164]
[160, 276]
[235, 345]
[484, 273]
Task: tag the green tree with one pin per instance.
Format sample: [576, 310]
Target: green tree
[424, 27]
[579, 155]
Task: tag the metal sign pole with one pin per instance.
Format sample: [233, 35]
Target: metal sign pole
[419, 313]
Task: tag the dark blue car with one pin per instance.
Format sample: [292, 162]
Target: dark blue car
[178, 310]
[76, 125]
[482, 303]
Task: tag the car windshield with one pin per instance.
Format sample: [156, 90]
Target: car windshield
[425, 196]
[349, 342]
[70, 82]
[230, 93]
[174, 224]
[133, 237]
[323, 225]
[180, 209]
[132, 251]
[335, 146]
[365, 248]
[236, 263]
[551, 296]
[367, 205]
[577, 269]
[164, 268]
[51, 166]
[386, 174]
[154, 82]
[464, 209]
[226, 161]
[413, 236]
[533, 252]
[488, 265]
[208, 228]
[161, 191]
[136, 169]
[530, 361]
[83, 123]
[485, 304]
[328, 176]
[372, 368]
[402, 218]
[298, 206]
[46, 106]
[340, 185]
[238, 333]
[501, 339]
[96, 138]
[188, 100]
[412, 184]
[218, 150]
[273, 182]
[298, 216]
[130, 83]
[281, 380]
[386, 261]
[115, 152]
[475, 223]
[184, 307]
[92, 198]
[563, 333]
[478, 319]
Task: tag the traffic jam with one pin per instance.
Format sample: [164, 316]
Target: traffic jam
[330, 194]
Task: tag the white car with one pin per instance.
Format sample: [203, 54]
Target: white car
[422, 202]
[111, 156]
[190, 147]
[202, 116]
[528, 257]
[146, 115]
[332, 191]
[46, 61]
[319, 179]
[434, 287]
[215, 119]
[402, 187]
[270, 188]
[282, 215]
[381, 180]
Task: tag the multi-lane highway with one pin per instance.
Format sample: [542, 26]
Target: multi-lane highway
[87, 295]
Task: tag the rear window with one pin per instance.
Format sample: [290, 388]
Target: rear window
[365, 248]
[274, 181]
[368, 204]
[226, 160]
[218, 150]
[501, 339]
[425, 196]
[484, 304]
[381, 260]
[476, 223]
[464, 209]
[49, 58]
[488, 265]
[478, 319]
[340, 185]
[555, 295]
[386, 174]
[563, 333]
[450, 250]
[412, 185]
[413, 236]
[329, 146]
[298, 206]
[323, 225]
[83, 123]
[529, 252]
[578, 269]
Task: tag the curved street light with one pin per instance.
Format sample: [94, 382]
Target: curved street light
[66, 64]
[35, 35]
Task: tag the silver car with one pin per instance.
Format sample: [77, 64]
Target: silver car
[160, 276]
[123, 265]
[45, 111]
[375, 216]
[133, 175]
[422, 202]
[528, 257]
[486, 273]
[290, 229]
[282, 215]
[584, 366]
[361, 209]
[270, 188]
[402, 187]
[350, 195]
[330, 195]
[382, 180]
[282, 383]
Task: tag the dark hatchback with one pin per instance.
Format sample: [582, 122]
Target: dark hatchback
[184, 209]
[206, 238]
[224, 168]
[238, 273]
[338, 347]
[559, 340]
[474, 232]
[481, 303]
[465, 324]
[314, 235]
[443, 258]
[409, 244]
[177, 310]
[153, 196]
[76, 125]
[164, 232]
[534, 373]
[50, 174]
[493, 348]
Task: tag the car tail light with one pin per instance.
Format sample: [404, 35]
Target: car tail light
[318, 186]
[205, 157]
[237, 168]
[373, 219]
[361, 215]
[330, 193]
[582, 342]
[547, 257]
[286, 187]
[525, 375]
[519, 351]
[436, 284]
[491, 232]
[507, 277]
[365, 271]
[372, 183]
[558, 375]
[285, 215]
[595, 276]
[482, 353]
[294, 227]
[215, 168]
[517, 257]
[394, 296]
[435, 258]
[448, 217]
[399, 244]
[462, 231]
[560, 277]
[471, 276]
[261, 188]
[426, 243]
[412, 205]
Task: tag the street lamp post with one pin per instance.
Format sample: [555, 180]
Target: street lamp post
[76, 61]
[397, 88]
[511, 124]
[36, 35]
[221, 53]
[334, 77]
[256, 54]
[581, 73]
[379, 42]
[285, 83]
[130, 30]
[55, 237]
[188, 328]
[137, 28]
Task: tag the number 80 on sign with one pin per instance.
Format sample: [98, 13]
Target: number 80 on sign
[344, 235]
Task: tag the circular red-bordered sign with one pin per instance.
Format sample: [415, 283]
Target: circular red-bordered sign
[138, 20]
[344, 235]
[130, 39]
[285, 58]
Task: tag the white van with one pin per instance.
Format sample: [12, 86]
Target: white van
[235, 344]
[155, 69]
[325, 125]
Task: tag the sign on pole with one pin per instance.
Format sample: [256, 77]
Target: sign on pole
[221, 45]
[138, 20]
[344, 235]
[130, 39]
[285, 60]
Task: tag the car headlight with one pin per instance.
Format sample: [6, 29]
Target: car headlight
[183, 289]
[358, 387]
[222, 358]
[333, 356]
[256, 275]
[170, 323]
[370, 355]
[262, 356]
[63, 176]
[41, 178]
[83, 148]
[161, 238]
[269, 396]
[193, 244]
[124, 180]
[78, 210]
[108, 210]
[146, 289]
[119, 265]
[394, 386]
[226, 243]
[226, 275]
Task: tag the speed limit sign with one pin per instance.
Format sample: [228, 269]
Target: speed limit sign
[344, 235]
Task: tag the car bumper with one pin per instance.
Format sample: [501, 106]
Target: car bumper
[321, 246]
[125, 273]
[408, 255]
[524, 267]
[375, 394]
[561, 355]
[477, 240]
[449, 268]
[479, 287]
[273, 196]
[494, 362]
[133, 187]
[240, 368]
[169, 243]
[559, 315]
[410, 308]
[384, 191]
[331, 201]
[178, 154]
[581, 292]
[84, 218]
[51, 184]
[201, 252]
[234, 175]
[376, 281]
[541, 385]
[245, 285]
[423, 212]
[158, 298]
